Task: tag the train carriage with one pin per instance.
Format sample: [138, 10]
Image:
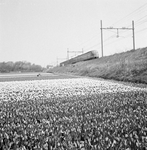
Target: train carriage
[83, 57]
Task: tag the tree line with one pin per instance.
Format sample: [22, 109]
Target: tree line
[19, 66]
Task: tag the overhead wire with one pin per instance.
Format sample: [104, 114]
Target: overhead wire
[138, 22]
[135, 11]
[92, 46]
[100, 42]
[125, 37]
[89, 40]
[139, 13]
[141, 30]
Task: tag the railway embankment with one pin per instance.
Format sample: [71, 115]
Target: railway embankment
[130, 66]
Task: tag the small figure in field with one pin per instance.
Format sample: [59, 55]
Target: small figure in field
[38, 75]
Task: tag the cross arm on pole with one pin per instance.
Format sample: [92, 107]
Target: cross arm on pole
[112, 28]
[123, 28]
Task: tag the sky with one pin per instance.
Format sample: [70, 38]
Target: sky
[41, 31]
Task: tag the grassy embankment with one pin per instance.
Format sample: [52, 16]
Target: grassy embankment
[127, 66]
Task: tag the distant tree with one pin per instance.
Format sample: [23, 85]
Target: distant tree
[36, 68]
[22, 66]
[4, 68]
[18, 66]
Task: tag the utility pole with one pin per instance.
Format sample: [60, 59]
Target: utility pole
[57, 61]
[101, 38]
[133, 35]
[82, 50]
[67, 53]
[111, 28]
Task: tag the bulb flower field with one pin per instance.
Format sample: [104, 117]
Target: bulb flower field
[72, 114]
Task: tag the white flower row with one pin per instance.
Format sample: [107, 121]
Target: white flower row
[40, 89]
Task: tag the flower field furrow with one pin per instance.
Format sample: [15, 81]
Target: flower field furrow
[72, 114]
